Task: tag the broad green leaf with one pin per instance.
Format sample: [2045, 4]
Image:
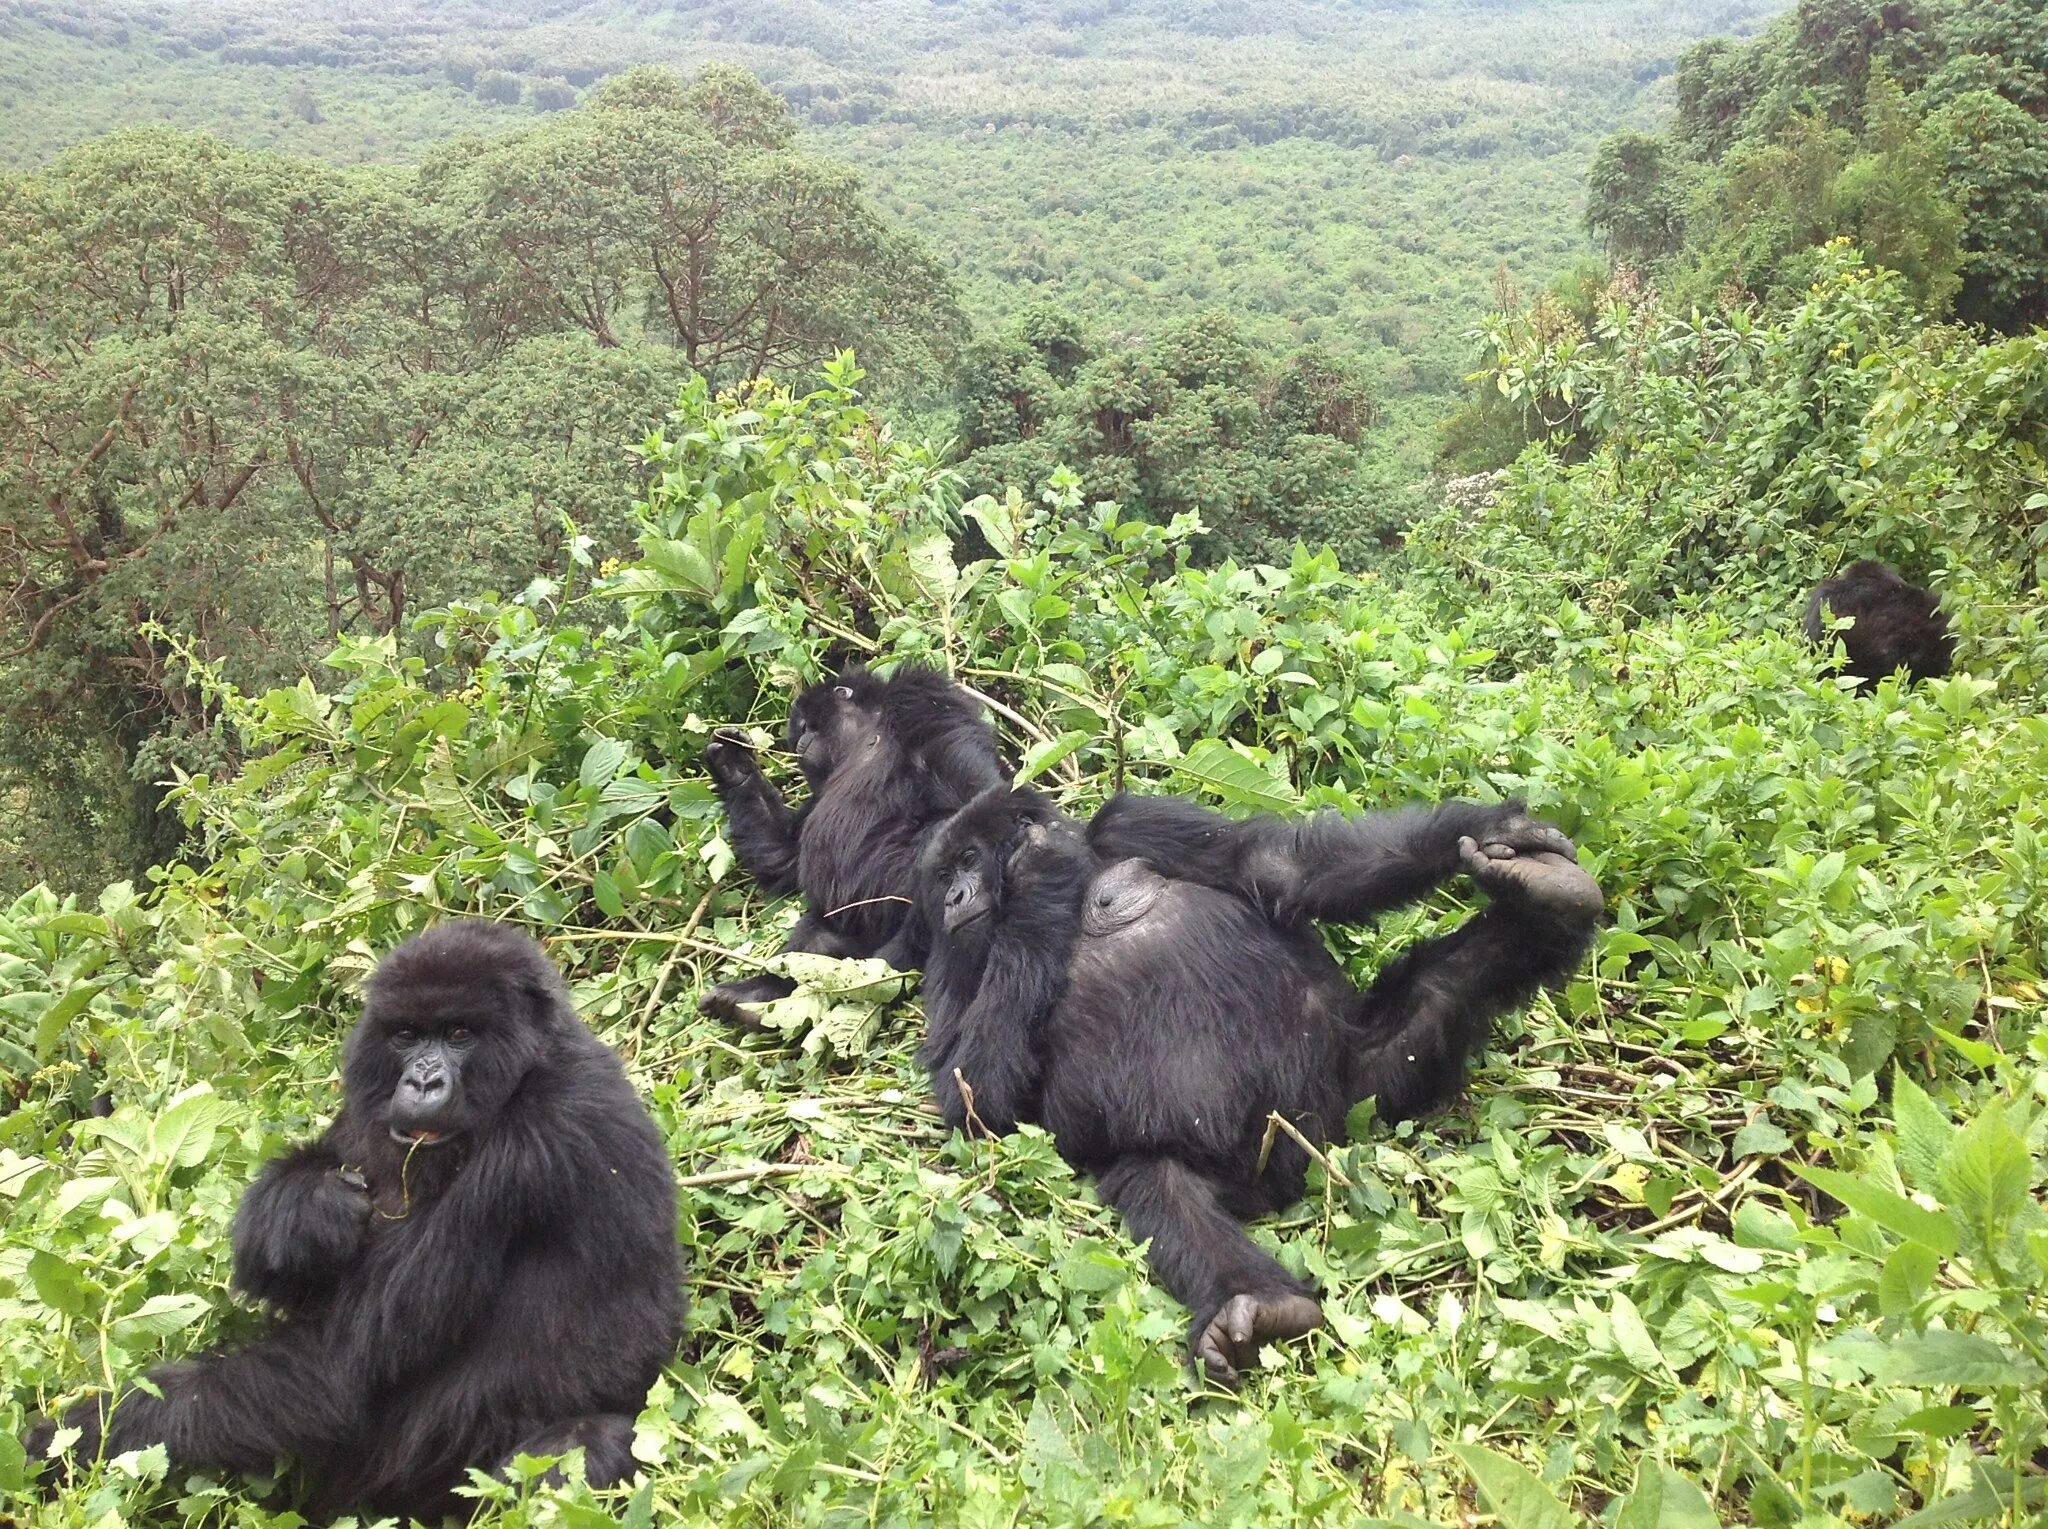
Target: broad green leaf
[1632, 1336]
[1895, 1213]
[1512, 1491]
[1664, 1499]
[1041, 757]
[1924, 1132]
[157, 1317]
[1907, 1275]
[50, 1028]
[1985, 1172]
[1227, 773]
[601, 761]
[183, 1134]
[1942, 1359]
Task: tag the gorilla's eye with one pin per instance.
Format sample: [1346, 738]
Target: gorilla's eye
[460, 1035]
[844, 692]
[405, 1040]
[970, 857]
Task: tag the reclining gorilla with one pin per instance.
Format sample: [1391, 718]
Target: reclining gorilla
[477, 1259]
[1152, 989]
[887, 761]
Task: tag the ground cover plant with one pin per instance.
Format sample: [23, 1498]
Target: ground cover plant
[1743, 1226]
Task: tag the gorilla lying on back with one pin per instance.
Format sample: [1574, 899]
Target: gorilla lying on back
[476, 1260]
[1894, 625]
[886, 760]
[1153, 989]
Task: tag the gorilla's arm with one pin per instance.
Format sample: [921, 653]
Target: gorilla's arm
[988, 1029]
[300, 1226]
[961, 766]
[1432, 1009]
[1327, 866]
[763, 826]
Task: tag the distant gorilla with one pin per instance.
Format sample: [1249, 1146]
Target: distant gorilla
[1153, 989]
[1896, 625]
[477, 1260]
[886, 760]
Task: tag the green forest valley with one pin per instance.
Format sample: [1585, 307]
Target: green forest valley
[471, 461]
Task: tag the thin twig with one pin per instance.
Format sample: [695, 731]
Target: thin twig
[1279, 1122]
[757, 1171]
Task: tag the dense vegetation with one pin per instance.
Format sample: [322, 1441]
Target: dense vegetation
[1919, 130]
[348, 502]
[261, 403]
[1324, 172]
[1744, 1226]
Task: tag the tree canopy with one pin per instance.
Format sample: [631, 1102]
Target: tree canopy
[263, 403]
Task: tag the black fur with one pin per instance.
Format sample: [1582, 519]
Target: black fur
[1894, 625]
[1152, 989]
[886, 761]
[512, 1288]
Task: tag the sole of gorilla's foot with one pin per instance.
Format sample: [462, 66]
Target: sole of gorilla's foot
[1246, 1323]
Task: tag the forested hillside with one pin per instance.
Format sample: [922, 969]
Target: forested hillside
[416, 453]
[1323, 172]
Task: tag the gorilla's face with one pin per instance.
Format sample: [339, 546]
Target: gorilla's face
[828, 722]
[441, 1047]
[968, 866]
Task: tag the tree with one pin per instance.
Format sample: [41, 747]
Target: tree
[1633, 201]
[254, 405]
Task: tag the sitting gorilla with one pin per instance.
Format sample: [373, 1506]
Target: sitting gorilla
[1153, 990]
[1894, 625]
[477, 1260]
[887, 761]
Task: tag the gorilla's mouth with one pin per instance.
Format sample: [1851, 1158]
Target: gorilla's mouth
[418, 1138]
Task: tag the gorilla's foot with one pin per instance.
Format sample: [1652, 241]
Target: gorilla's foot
[734, 1002]
[1231, 1339]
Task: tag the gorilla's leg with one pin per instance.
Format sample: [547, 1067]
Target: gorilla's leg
[606, 1439]
[1241, 1297]
[239, 1411]
[733, 1001]
[1432, 1009]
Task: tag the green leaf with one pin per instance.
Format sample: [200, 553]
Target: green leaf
[1041, 757]
[1512, 1491]
[50, 1028]
[1895, 1213]
[1761, 1138]
[1924, 1132]
[1632, 1337]
[1908, 1274]
[1663, 1499]
[1224, 771]
[183, 1134]
[1985, 1172]
[604, 890]
[157, 1317]
[1944, 1359]
[59, 1285]
[601, 761]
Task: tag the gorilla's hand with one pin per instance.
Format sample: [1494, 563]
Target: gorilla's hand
[1554, 882]
[729, 757]
[1513, 829]
[336, 1214]
[1230, 1340]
